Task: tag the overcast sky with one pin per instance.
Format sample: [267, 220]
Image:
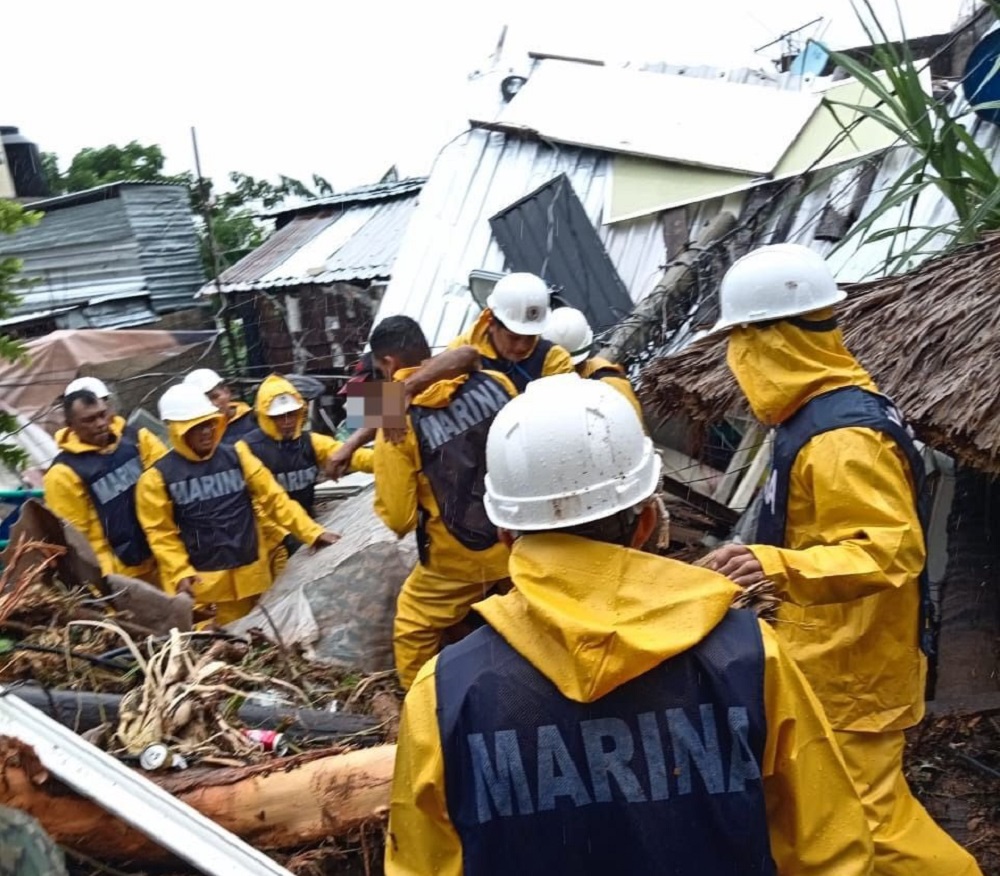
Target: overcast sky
[345, 89]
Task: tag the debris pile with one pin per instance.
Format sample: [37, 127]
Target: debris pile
[292, 755]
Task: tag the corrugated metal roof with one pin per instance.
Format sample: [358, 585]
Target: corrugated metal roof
[361, 194]
[355, 243]
[474, 177]
[117, 240]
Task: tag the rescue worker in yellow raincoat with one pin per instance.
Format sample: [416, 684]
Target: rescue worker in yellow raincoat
[615, 715]
[841, 535]
[568, 328]
[197, 506]
[432, 481]
[150, 446]
[295, 457]
[508, 333]
[240, 419]
[91, 484]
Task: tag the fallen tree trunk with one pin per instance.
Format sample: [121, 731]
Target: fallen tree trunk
[283, 804]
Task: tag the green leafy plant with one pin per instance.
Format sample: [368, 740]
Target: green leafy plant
[12, 217]
[944, 156]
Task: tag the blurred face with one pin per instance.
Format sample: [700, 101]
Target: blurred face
[510, 346]
[201, 438]
[92, 423]
[286, 424]
[222, 398]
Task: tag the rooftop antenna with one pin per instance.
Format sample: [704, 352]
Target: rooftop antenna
[789, 41]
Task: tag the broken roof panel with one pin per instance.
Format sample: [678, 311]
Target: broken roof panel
[692, 120]
[476, 176]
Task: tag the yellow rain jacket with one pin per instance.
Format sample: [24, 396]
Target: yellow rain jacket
[151, 448]
[855, 548]
[401, 487]
[233, 586]
[588, 367]
[591, 617]
[68, 497]
[323, 445]
[557, 360]
[439, 594]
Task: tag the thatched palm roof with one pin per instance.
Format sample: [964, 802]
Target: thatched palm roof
[931, 340]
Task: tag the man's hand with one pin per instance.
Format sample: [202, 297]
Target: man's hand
[325, 540]
[736, 562]
[187, 585]
[339, 463]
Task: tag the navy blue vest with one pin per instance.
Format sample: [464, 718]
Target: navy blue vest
[212, 508]
[110, 479]
[293, 464]
[239, 428]
[662, 775]
[452, 443]
[849, 407]
[523, 372]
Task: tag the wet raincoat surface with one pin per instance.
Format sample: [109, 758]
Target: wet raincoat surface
[557, 360]
[596, 368]
[591, 617]
[849, 571]
[232, 590]
[439, 593]
[68, 497]
[849, 577]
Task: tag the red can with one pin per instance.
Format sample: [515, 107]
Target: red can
[269, 740]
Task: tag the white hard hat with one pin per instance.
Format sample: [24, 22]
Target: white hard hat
[568, 328]
[775, 282]
[521, 303]
[284, 403]
[92, 384]
[183, 402]
[566, 451]
[203, 379]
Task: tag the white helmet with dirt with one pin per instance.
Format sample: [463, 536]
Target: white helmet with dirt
[521, 302]
[91, 384]
[203, 379]
[182, 402]
[566, 451]
[775, 282]
[568, 327]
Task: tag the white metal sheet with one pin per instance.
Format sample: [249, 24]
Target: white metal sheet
[705, 122]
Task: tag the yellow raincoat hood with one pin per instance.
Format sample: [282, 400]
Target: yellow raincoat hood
[273, 386]
[782, 366]
[592, 616]
[176, 431]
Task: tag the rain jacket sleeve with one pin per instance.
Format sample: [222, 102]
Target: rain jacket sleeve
[67, 497]
[815, 820]
[421, 838]
[156, 514]
[273, 501]
[396, 467]
[363, 459]
[151, 448]
[857, 502]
